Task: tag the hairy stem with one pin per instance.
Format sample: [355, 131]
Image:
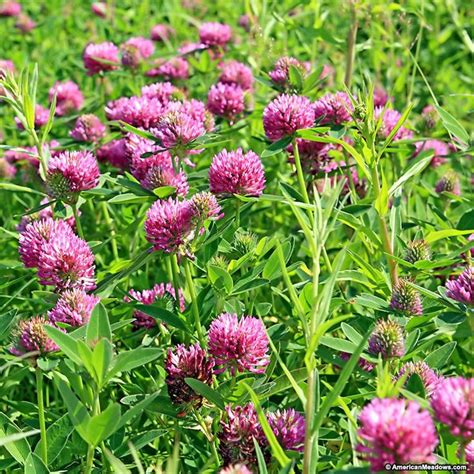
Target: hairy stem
[299, 172]
[351, 43]
[78, 221]
[194, 304]
[41, 417]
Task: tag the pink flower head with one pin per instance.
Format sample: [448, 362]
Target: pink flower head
[161, 32]
[239, 345]
[364, 364]
[333, 108]
[36, 234]
[280, 74]
[41, 117]
[99, 9]
[100, 57]
[144, 46]
[215, 34]
[71, 172]
[226, 100]
[143, 112]
[453, 405]
[189, 47]
[205, 206]
[405, 299]
[430, 116]
[172, 69]
[7, 170]
[169, 225]
[427, 375]
[449, 183]
[233, 72]
[143, 153]
[163, 91]
[31, 337]
[380, 97]
[115, 152]
[159, 174]
[236, 172]
[24, 23]
[135, 51]
[183, 363]
[387, 339]
[235, 469]
[286, 114]
[74, 307]
[238, 430]
[68, 97]
[197, 110]
[440, 149]
[389, 119]
[289, 428]
[315, 157]
[469, 456]
[88, 128]
[66, 262]
[6, 66]
[462, 288]
[10, 8]
[147, 297]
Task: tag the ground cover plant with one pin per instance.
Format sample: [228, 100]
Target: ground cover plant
[236, 236]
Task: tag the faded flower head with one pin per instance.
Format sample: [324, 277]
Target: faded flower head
[406, 299]
[280, 74]
[427, 375]
[289, 428]
[453, 405]
[395, 431]
[333, 108]
[387, 339]
[233, 72]
[161, 32]
[191, 362]
[440, 150]
[99, 9]
[238, 430]
[100, 57]
[74, 307]
[31, 337]
[449, 183]
[236, 172]
[88, 128]
[160, 173]
[25, 23]
[68, 97]
[163, 91]
[159, 293]
[215, 34]
[286, 114]
[389, 119]
[430, 116]
[205, 207]
[462, 288]
[238, 345]
[226, 100]
[417, 250]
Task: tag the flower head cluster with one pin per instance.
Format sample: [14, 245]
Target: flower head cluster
[10, 8]
[163, 91]
[31, 337]
[453, 405]
[215, 34]
[286, 114]
[205, 206]
[71, 172]
[389, 119]
[380, 97]
[236, 172]
[233, 72]
[406, 299]
[387, 339]
[88, 128]
[115, 152]
[440, 149]
[160, 291]
[333, 108]
[74, 307]
[185, 362]
[172, 69]
[289, 428]
[462, 288]
[396, 431]
[161, 32]
[24, 23]
[226, 100]
[427, 375]
[100, 57]
[68, 97]
[143, 153]
[280, 74]
[449, 183]
[159, 173]
[239, 345]
[417, 250]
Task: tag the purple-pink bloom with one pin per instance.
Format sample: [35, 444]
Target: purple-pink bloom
[333, 108]
[169, 225]
[449, 183]
[280, 74]
[10, 8]
[161, 32]
[99, 9]
[380, 97]
[7, 170]
[100, 57]
[163, 91]
[234, 72]
[226, 100]
[88, 128]
[238, 345]
[389, 119]
[31, 337]
[364, 364]
[286, 114]
[191, 362]
[66, 261]
[74, 307]
[469, 456]
[41, 117]
[172, 69]
[115, 152]
[289, 428]
[440, 149]
[159, 174]
[387, 339]
[462, 288]
[453, 405]
[215, 34]
[235, 469]
[405, 299]
[427, 375]
[151, 296]
[68, 97]
[205, 206]
[144, 46]
[236, 172]
[314, 156]
[395, 431]
[24, 23]
[430, 115]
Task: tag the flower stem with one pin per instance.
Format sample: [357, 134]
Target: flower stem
[175, 272]
[299, 172]
[237, 214]
[41, 417]
[78, 221]
[89, 459]
[351, 43]
[192, 292]
[110, 225]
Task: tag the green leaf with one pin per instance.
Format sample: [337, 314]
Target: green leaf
[34, 465]
[19, 189]
[102, 357]
[243, 287]
[58, 435]
[65, 342]
[395, 129]
[422, 161]
[338, 344]
[381, 202]
[13, 438]
[117, 465]
[271, 269]
[164, 315]
[295, 76]
[415, 385]
[439, 357]
[220, 278]
[262, 465]
[98, 326]
[128, 360]
[128, 198]
[453, 126]
[103, 425]
[276, 147]
[443, 234]
[136, 410]
[164, 191]
[206, 391]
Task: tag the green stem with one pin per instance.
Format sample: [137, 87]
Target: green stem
[194, 304]
[309, 417]
[89, 459]
[299, 172]
[42, 421]
[351, 43]
[175, 273]
[110, 225]
[237, 214]
[208, 435]
[78, 221]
